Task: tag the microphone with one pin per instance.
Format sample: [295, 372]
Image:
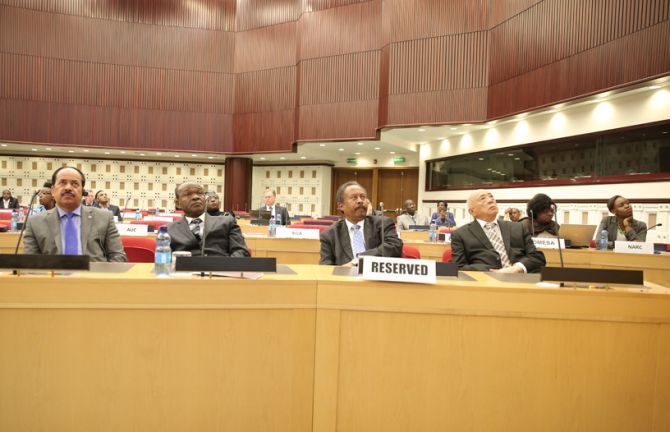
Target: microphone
[381, 206]
[532, 222]
[651, 227]
[25, 222]
[204, 237]
[558, 237]
[128, 200]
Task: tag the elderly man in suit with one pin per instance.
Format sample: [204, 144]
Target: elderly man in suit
[8, 201]
[278, 212]
[201, 233]
[491, 244]
[357, 234]
[70, 228]
[102, 201]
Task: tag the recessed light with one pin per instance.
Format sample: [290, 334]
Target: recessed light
[4, 145]
[360, 143]
[48, 148]
[322, 145]
[194, 155]
[603, 95]
[262, 158]
[510, 154]
[481, 158]
[421, 130]
[467, 124]
[517, 158]
[490, 169]
[33, 149]
[282, 158]
[303, 157]
[142, 154]
[492, 122]
[85, 150]
[559, 106]
[453, 128]
[440, 138]
[70, 151]
[123, 152]
[358, 153]
[341, 149]
[392, 152]
[210, 157]
[654, 87]
[377, 148]
[522, 115]
[176, 155]
[159, 154]
[106, 152]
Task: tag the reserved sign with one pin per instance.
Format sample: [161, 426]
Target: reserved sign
[132, 230]
[633, 247]
[305, 233]
[547, 243]
[399, 270]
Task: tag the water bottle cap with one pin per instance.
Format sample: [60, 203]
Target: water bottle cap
[162, 229]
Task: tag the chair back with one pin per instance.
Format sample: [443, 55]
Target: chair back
[139, 249]
[446, 256]
[308, 226]
[410, 252]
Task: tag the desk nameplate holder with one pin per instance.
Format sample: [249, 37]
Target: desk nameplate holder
[44, 262]
[441, 268]
[593, 276]
[210, 264]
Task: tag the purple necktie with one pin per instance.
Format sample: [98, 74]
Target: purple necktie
[71, 247]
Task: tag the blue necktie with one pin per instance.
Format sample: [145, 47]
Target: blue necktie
[359, 244]
[71, 247]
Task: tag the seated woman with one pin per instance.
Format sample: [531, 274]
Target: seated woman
[449, 216]
[621, 226]
[540, 220]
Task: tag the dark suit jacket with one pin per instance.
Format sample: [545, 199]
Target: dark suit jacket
[336, 246]
[100, 239]
[279, 210]
[13, 203]
[472, 250]
[221, 236]
[116, 211]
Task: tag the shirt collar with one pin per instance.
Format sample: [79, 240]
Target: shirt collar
[351, 224]
[201, 217]
[62, 212]
[483, 223]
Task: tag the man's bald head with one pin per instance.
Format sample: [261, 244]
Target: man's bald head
[482, 205]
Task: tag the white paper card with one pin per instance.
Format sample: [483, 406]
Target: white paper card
[138, 230]
[633, 247]
[306, 233]
[399, 270]
[547, 243]
[129, 215]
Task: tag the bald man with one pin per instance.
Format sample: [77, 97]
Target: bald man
[491, 244]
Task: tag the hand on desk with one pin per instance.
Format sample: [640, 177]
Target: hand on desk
[511, 269]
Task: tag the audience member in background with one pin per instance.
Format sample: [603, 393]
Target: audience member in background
[540, 221]
[371, 210]
[201, 233]
[46, 200]
[278, 212]
[410, 216]
[70, 228]
[442, 206]
[621, 226]
[8, 201]
[443, 219]
[88, 198]
[491, 244]
[213, 204]
[102, 201]
[357, 233]
[512, 214]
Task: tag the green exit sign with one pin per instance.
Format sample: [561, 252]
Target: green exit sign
[352, 161]
[399, 159]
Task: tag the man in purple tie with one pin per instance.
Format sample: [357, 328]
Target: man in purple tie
[70, 228]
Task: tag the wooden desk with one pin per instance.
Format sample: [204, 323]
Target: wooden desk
[316, 352]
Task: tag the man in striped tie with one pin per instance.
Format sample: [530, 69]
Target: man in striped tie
[491, 244]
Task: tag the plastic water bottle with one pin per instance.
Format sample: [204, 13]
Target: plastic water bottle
[602, 241]
[138, 214]
[278, 219]
[432, 234]
[15, 220]
[272, 227]
[163, 258]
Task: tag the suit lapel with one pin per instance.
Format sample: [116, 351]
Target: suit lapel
[53, 225]
[479, 234]
[369, 232]
[182, 224]
[86, 222]
[343, 234]
[506, 232]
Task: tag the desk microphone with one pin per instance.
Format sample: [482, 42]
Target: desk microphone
[651, 227]
[25, 222]
[128, 200]
[204, 237]
[381, 206]
[532, 222]
[558, 237]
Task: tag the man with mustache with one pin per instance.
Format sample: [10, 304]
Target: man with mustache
[201, 233]
[357, 234]
[491, 244]
[70, 228]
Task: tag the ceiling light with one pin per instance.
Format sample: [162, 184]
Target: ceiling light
[377, 148]
[176, 155]
[159, 154]
[106, 152]
[303, 157]
[85, 150]
[467, 124]
[141, 154]
[604, 95]
[490, 169]
[194, 155]
[441, 138]
[341, 149]
[510, 154]
[453, 128]
[123, 152]
[4, 145]
[517, 158]
[70, 151]
[48, 148]
[654, 87]
[392, 152]
[262, 158]
[522, 115]
[492, 122]
[358, 153]
[322, 145]
[210, 157]
[33, 149]
[360, 143]
[282, 158]
[421, 130]
[559, 106]
[481, 158]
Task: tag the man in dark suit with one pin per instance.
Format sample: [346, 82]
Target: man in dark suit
[491, 244]
[278, 212]
[357, 234]
[8, 201]
[198, 232]
[102, 201]
[71, 228]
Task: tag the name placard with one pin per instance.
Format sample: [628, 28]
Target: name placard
[138, 230]
[129, 215]
[633, 247]
[547, 243]
[399, 270]
[305, 233]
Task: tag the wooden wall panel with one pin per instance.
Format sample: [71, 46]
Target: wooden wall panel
[265, 90]
[264, 131]
[265, 48]
[317, 5]
[341, 30]
[30, 32]
[346, 120]
[237, 184]
[262, 13]
[205, 14]
[396, 186]
[499, 11]
[416, 19]
[445, 106]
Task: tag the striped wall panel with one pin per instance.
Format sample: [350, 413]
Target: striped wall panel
[416, 19]
[341, 30]
[24, 31]
[266, 48]
[99, 84]
[252, 14]
[265, 131]
[345, 120]
[203, 14]
[553, 30]
[351, 77]
[446, 106]
[265, 90]
[317, 5]
[439, 63]
[500, 11]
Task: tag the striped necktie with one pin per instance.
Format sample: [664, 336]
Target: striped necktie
[493, 233]
[195, 228]
[358, 246]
